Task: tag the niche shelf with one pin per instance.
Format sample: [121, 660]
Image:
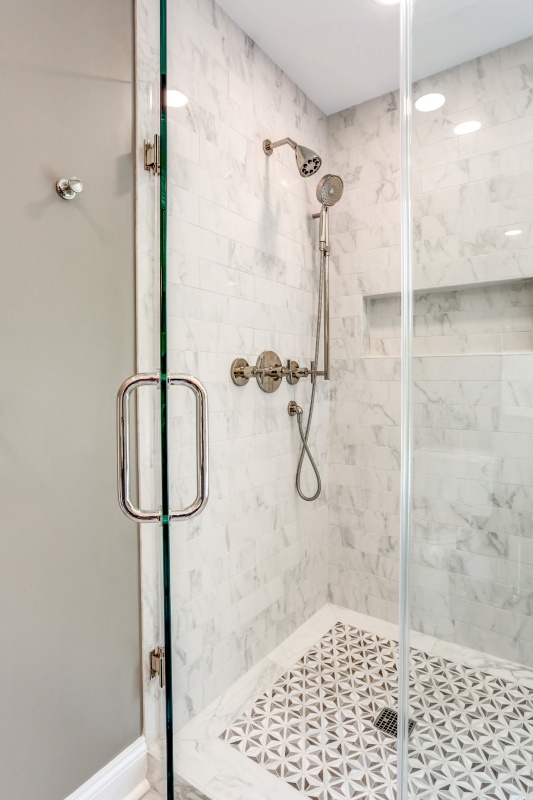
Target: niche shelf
[470, 319]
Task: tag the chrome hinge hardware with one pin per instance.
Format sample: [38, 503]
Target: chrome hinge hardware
[157, 665]
[152, 161]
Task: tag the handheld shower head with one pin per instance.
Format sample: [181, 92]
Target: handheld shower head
[307, 161]
[329, 190]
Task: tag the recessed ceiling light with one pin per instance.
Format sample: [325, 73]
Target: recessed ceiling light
[176, 99]
[467, 127]
[430, 102]
[388, 2]
[513, 232]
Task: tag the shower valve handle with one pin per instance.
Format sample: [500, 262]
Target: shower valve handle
[294, 372]
[242, 371]
[247, 371]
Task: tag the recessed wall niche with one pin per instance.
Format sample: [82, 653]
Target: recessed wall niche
[494, 317]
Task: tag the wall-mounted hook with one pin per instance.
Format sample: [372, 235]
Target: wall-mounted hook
[68, 188]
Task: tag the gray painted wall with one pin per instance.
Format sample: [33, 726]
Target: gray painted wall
[69, 618]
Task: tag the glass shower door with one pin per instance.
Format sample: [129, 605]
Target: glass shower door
[241, 244]
[471, 592]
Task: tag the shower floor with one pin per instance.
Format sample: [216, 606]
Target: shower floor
[301, 725]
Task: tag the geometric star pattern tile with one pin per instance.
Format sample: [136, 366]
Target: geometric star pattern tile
[315, 728]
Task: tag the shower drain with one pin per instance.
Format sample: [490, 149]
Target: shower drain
[387, 721]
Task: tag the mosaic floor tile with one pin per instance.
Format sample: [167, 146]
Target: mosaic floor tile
[315, 730]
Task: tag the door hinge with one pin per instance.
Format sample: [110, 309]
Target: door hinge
[157, 665]
[152, 162]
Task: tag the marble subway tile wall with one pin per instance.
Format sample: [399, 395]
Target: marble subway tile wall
[474, 423]
[364, 400]
[473, 412]
[242, 279]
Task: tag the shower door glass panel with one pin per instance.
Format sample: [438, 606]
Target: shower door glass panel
[242, 278]
[472, 400]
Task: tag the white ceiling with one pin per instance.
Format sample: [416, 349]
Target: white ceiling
[342, 52]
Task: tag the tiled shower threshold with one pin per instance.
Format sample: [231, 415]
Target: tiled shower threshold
[304, 735]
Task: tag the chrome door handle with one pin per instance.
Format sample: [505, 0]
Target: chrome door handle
[202, 447]
[123, 443]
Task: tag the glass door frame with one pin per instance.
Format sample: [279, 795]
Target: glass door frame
[163, 370]
[406, 446]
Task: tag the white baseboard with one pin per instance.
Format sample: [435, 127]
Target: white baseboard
[124, 778]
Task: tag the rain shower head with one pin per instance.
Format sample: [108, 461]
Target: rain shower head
[329, 190]
[307, 161]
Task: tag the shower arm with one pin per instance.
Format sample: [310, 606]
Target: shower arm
[269, 146]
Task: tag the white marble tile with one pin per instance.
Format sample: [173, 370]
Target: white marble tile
[215, 718]
[466, 417]
[304, 637]
[239, 778]
[151, 795]
[488, 663]
[366, 622]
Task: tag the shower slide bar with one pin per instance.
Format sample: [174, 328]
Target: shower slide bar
[123, 447]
